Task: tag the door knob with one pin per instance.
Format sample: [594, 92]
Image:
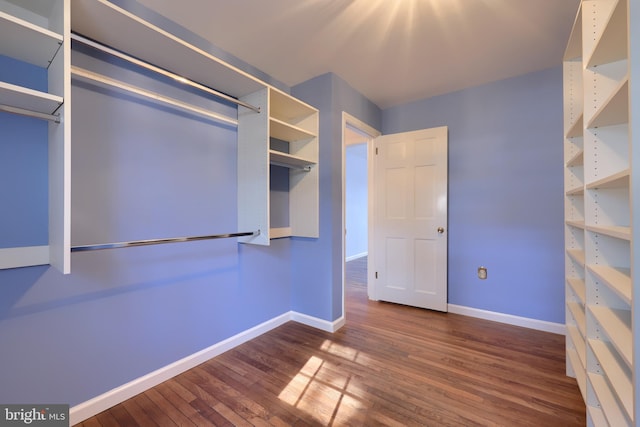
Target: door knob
[440, 230]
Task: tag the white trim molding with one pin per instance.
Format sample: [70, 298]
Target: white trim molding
[100, 403]
[541, 325]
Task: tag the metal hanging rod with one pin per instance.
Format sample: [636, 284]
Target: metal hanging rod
[102, 246]
[161, 71]
[80, 72]
[23, 112]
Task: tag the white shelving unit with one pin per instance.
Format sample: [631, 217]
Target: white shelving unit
[294, 124]
[281, 116]
[37, 32]
[598, 232]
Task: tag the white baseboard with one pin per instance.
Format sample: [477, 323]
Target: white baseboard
[126, 391]
[314, 322]
[356, 256]
[541, 325]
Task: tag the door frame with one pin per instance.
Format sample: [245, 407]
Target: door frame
[371, 133]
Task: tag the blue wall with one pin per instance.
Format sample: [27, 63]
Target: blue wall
[142, 171]
[356, 200]
[505, 191]
[317, 264]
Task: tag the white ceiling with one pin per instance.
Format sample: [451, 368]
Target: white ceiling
[392, 51]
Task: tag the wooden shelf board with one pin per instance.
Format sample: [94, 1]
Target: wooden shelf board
[27, 42]
[113, 26]
[576, 224]
[610, 407]
[615, 373]
[577, 129]
[616, 279]
[574, 46]
[579, 343]
[287, 160]
[581, 376]
[596, 415]
[612, 45]
[619, 232]
[616, 324]
[617, 180]
[577, 255]
[578, 315]
[615, 110]
[576, 160]
[280, 232]
[288, 109]
[286, 132]
[28, 99]
[578, 191]
[578, 287]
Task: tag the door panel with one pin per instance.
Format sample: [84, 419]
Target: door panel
[410, 206]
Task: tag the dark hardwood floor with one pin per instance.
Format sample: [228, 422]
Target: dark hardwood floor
[389, 365]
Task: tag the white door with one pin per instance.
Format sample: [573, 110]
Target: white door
[409, 241]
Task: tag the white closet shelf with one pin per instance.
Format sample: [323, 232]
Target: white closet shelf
[576, 224]
[617, 180]
[581, 377]
[578, 315]
[615, 323]
[279, 158]
[573, 52]
[279, 232]
[287, 132]
[29, 99]
[616, 279]
[611, 409]
[577, 191]
[27, 42]
[115, 27]
[618, 376]
[578, 343]
[286, 109]
[578, 287]
[577, 255]
[596, 415]
[619, 232]
[612, 45]
[577, 159]
[615, 110]
[577, 128]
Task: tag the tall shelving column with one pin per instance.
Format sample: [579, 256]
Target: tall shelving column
[607, 233]
[575, 295]
[38, 33]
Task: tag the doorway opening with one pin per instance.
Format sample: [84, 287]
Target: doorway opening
[357, 152]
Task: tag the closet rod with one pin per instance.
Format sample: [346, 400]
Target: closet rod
[161, 71]
[29, 113]
[80, 72]
[102, 246]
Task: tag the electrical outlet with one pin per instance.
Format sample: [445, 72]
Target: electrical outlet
[482, 273]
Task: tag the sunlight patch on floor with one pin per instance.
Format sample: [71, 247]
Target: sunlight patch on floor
[320, 390]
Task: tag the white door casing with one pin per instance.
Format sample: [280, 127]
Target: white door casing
[409, 241]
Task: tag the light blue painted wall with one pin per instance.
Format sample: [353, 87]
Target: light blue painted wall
[356, 200]
[24, 196]
[317, 263]
[138, 171]
[505, 191]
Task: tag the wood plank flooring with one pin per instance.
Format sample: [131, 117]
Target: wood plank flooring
[389, 365]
